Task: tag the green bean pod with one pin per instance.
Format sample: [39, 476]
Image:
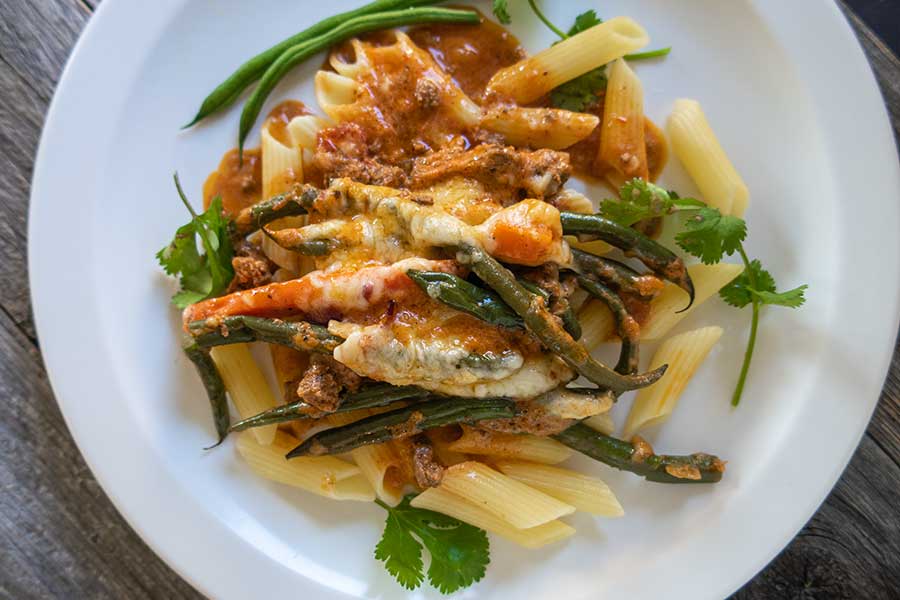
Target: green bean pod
[657, 257]
[299, 335]
[616, 275]
[215, 387]
[297, 201]
[404, 422]
[370, 397]
[544, 326]
[629, 330]
[231, 89]
[637, 457]
[466, 297]
[298, 53]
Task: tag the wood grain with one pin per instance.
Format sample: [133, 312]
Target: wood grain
[60, 537]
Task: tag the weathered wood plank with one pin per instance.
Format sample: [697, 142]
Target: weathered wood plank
[849, 549]
[61, 536]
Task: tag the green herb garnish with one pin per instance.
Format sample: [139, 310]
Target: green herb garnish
[640, 200]
[459, 552]
[204, 275]
[501, 11]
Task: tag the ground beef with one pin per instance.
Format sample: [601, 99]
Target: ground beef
[251, 267]
[324, 382]
[345, 151]
[427, 469]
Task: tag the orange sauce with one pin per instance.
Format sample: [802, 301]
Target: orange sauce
[470, 54]
[239, 183]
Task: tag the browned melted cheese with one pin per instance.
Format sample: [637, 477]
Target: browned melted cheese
[239, 183]
[470, 54]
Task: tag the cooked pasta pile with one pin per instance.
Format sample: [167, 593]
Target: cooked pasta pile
[431, 290]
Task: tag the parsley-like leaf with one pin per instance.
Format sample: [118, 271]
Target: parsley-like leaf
[709, 235]
[204, 275]
[580, 93]
[459, 552]
[584, 21]
[639, 200]
[791, 299]
[501, 11]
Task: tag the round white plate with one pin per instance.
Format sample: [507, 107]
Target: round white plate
[788, 90]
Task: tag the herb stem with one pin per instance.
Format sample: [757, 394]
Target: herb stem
[754, 326]
[546, 21]
[649, 54]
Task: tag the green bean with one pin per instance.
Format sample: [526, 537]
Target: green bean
[347, 28]
[543, 325]
[568, 317]
[369, 397]
[466, 297]
[293, 239]
[404, 422]
[629, 330]
[297, 201]
[230, 90]
[638, 457]
[299, 335]
[215, 387]
[657, 257]
[618, 276]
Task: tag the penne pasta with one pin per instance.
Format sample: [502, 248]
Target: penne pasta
[440, 500]
[623, 152]
[289, 366]
[284, 258]
[350, 69]
[573, 201]
[539, 127]
[697, 147]
[335, 93]
[684, 353]
[323, 475]
[246, 385]
[281, 165]
[510, 445]
[516, 503]
[585, 493]
[304, 130]
[666, 310]
[380, 465]
[529, 79]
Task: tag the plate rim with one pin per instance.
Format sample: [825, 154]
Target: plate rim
[41, 279]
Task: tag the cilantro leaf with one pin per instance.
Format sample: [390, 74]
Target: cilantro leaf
[201, 276]
[459, 552]
[791, 299]
[709, 235]
[639, 200]
[584, 21]
[756, 282]
[580, 93]
[501, 11]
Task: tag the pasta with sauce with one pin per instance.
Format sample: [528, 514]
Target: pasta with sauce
[431, 289]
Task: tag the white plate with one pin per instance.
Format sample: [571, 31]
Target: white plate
[788, 90]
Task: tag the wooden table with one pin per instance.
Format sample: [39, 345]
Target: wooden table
[60, 537]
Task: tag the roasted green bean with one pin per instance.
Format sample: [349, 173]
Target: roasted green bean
[299, 335]
[618, 276]
[629, 330]
[215, 387]
[639, 458]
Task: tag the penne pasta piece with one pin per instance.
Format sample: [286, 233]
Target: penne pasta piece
[539, 127]
[304, 130]
[352, 69]
[281, 165]
[597, 325]
[246, 385]
[697, 147]
[516, 503]
[334, 93]
[380, 465]
[585, 493]
[570, 200]
[284, 258]
[289, 366]
[440, 500]
[510, 445]
[533, 77]
[623, 152]
[603, 423]
[684, 353]
[323, 475]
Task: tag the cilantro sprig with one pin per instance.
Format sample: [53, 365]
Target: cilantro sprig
[459, 552]
[710, 236]
[640, 200]
[581, 93]
[204, 275]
